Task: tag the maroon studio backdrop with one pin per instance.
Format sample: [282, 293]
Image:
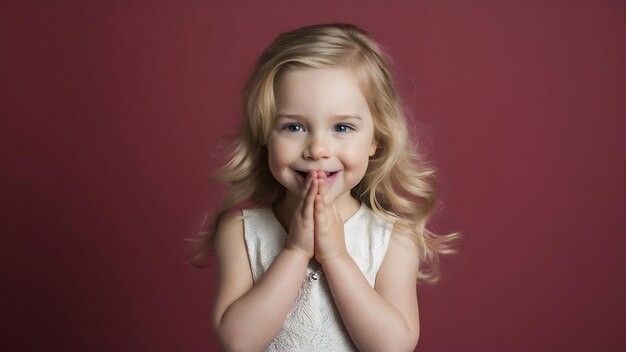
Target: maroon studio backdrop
[111, 113]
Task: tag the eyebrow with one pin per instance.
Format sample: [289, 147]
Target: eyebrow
[336, 117]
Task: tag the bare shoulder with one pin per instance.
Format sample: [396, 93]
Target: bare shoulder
[234, 277]
[401, 260]
[231, 222]
[229, 240]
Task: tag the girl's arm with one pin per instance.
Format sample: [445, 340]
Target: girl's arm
[386, 317]
[383, 318]
[246, 317]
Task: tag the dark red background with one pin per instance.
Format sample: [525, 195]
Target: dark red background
[111, 113]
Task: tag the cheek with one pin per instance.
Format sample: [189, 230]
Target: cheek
[357, 155]
[274, 158]
[280, 153]
[271, 160]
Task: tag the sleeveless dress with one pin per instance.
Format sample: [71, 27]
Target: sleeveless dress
[314, 323]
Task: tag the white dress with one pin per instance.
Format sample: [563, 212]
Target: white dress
[314, 323]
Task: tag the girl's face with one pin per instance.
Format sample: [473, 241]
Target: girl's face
[323, 123]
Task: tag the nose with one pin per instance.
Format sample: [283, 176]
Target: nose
[317, 148]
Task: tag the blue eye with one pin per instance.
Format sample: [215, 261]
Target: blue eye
[343, 128]
[292, 127]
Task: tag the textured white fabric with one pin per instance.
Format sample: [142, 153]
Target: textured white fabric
[314, 324]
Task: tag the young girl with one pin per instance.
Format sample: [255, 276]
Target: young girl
[328, 256]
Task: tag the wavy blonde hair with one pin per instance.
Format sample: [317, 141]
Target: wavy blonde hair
[399, 185]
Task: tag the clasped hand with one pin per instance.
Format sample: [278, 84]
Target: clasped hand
[316, 228]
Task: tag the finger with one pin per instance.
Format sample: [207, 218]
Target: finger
[336, 213]
[320, 212]
[307, 208]
[307, 185]
[325, 191]
[307, 188]
[305, 191]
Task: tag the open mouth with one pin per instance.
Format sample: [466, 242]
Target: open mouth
[329, 174]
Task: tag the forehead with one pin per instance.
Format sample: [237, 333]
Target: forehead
[319, 91]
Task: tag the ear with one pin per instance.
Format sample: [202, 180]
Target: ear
[373, 147]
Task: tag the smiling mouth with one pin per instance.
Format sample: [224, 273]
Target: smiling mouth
[305, 173]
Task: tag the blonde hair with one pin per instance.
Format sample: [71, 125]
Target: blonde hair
[399, 185]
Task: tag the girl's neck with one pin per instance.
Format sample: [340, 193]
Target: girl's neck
[284, 207]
